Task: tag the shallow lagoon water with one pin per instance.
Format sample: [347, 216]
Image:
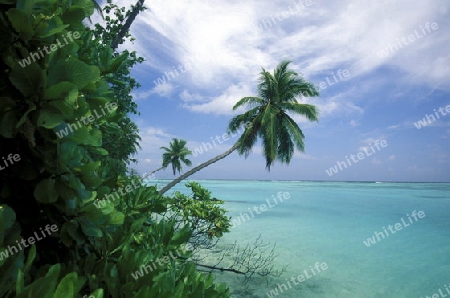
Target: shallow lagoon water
[328, 222]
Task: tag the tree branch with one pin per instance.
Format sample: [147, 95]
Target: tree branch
[221, 269]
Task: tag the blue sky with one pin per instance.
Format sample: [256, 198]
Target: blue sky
[395, 55]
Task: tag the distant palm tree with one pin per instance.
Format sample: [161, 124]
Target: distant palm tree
[175, 155]
[268, 119]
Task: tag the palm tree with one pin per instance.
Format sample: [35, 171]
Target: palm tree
[267, 118]
[175, 155]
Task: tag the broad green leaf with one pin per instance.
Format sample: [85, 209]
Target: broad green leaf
[182, 236]
[75, 183]
[45, 191]
[98, 104]
[63, 96]
[66, 287]
[70, 232]
[54, 272]
[96, 213]
[26, 5]
[20, 283]
[49, 118]
[60, 90]
[117, 62]
[43, 286]
[73, 15]
[8, 122]
[54, 31]
[80, 135]
[97, 293]
[87, 5]
[116, 218]
[105, 57]
[70, 155]
[7, 219]
[95, 138]
[30, 258]
[20, 21]
[53, 26]
[90, 167]
[28, 80]
[98, 150]
[89, 229]
[31, 107]
[74, 71]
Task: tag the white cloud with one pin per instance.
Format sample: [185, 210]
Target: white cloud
[222, 104]
[354, 123]
[163, 90]
[219, 40]
[376, 161]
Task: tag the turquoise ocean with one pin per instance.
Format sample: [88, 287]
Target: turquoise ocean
[330, 222]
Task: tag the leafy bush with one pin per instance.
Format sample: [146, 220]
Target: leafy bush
[59, 107]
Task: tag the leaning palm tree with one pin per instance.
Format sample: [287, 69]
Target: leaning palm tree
[175, 155]
[268, 119]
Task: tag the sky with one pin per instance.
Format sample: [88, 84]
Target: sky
[380, 66]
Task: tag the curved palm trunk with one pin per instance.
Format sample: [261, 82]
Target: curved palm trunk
[198, 168]
[163, 167]
[127, 24]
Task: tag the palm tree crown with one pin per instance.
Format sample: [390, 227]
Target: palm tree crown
[175, 155]
[269, 118]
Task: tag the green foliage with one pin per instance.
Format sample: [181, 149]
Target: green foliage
[120, 140]
[202, 213]
[66, 179]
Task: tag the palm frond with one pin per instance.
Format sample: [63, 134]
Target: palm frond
[250, 101]
[295, 132]
[309, 111]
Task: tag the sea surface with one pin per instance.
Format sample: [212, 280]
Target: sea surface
[330, 222]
